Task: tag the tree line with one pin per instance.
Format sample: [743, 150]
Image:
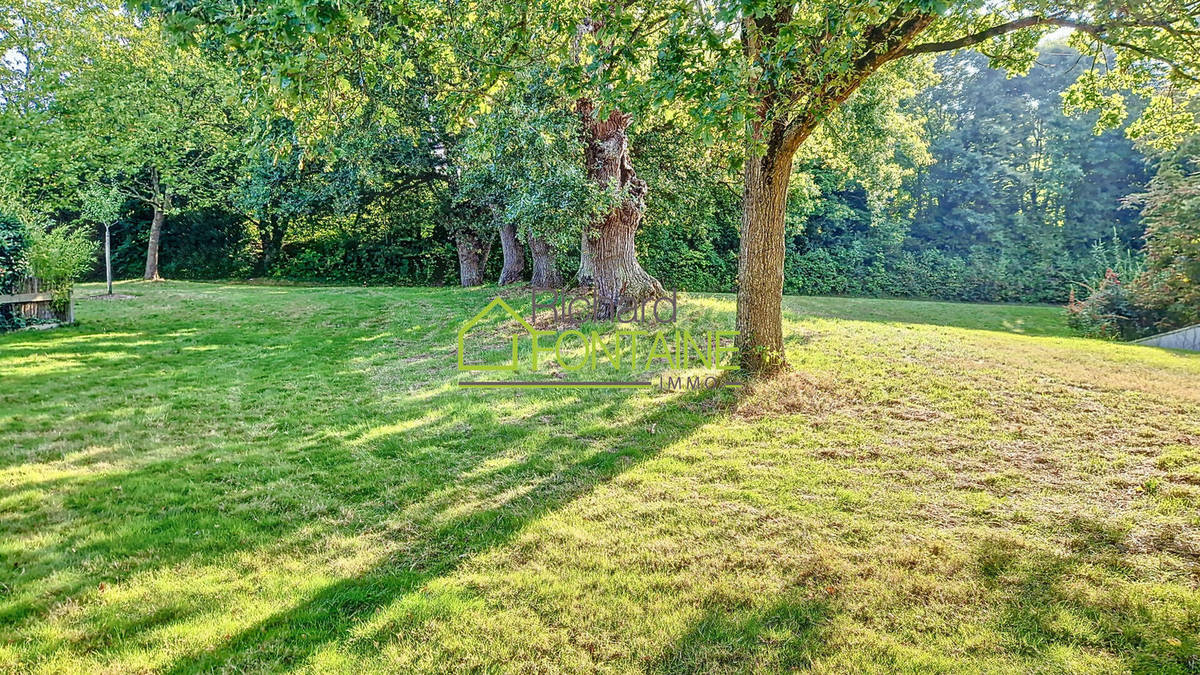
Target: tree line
[756, 146]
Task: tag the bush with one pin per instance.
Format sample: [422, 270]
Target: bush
[59, 258]
[196, 244]
[1171, 283]
[1111, 311]
[698, 270]
[14, 246]
[868, 270]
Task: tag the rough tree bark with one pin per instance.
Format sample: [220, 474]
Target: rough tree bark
[608, 262]
[760, 263]
[514, 255]
[473, 253]
[545, 266]
[586, 275]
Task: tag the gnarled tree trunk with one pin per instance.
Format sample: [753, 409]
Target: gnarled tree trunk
[608, 262]
[545, 266]
[472, 255]
[514, 255]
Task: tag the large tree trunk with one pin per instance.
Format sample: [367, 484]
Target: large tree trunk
[545, 266]
[608, 262]
[156, 226]
[472, 256]
[760, 263]
[514, 255]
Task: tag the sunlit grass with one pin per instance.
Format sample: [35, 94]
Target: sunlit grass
[228, 478]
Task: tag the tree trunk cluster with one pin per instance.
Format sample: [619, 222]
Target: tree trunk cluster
[607, 258]
[474, 247]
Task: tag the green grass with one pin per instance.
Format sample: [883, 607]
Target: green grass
[243, 478]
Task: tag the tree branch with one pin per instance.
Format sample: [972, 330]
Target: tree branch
[1095, 29]
[885, 42]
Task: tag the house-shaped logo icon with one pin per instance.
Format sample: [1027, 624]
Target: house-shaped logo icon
[462, 332]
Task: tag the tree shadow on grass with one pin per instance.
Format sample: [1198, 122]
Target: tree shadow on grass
[786, 635]
[1084, 600]
[461, 477]
[289, 637]
[271, 442]
[172, 513]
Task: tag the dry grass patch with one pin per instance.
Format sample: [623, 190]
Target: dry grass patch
[793, 393]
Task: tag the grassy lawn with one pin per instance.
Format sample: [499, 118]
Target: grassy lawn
[241, 478]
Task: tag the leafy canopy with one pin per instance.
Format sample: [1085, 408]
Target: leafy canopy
[99, 93]
[793, 63]
[101, 204]
[736, 65]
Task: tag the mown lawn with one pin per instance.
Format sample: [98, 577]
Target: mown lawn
[241, 478]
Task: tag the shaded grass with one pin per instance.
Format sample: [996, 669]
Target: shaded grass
[229, 477]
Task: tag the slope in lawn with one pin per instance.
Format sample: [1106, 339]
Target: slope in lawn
[215, 477]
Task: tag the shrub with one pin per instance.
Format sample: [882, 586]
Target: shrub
[1171, 283]
[203, 243]
[862, 269]
[1111, 311]
[14, 245]
[60, 257]
[396, 259]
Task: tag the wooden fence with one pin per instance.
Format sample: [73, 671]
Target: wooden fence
[30, 302]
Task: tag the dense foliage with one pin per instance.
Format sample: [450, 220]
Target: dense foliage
[1009, 209]
[14, 245]
[1171, 205]
[959, 227]
[1161, 290]
[1110, 311]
